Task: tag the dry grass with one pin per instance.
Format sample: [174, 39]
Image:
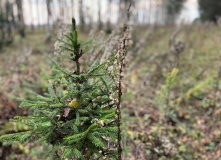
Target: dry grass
[191, 127]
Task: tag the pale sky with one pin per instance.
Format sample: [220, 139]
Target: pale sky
[190, 11]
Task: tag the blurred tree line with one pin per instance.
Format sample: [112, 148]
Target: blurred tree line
[12, 13]
[158, 12]
[7, 20]
[210, 10]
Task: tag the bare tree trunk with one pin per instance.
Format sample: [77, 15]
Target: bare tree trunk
[13, 13]
[72, 8]
[81, 15]
[53, 15]
[89, 15]
[2, 33]
[61, 8]
[38, 13]
[6, 22]
[99, 15]
[156, 16]
[108, 27]
[144, 15]
[119, 11]
[123, 4]
[8, 19]
[48, 20]
[30, 9]
[150, 11]
[21, 23]
[172, 10]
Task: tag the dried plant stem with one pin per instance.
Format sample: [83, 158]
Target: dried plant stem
[122, 55]
[119, 116]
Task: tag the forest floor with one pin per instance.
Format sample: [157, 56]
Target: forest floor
[172, 100]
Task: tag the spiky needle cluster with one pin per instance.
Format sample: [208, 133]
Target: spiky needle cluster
[77, 116]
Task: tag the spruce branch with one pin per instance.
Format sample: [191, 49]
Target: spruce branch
[77, 116]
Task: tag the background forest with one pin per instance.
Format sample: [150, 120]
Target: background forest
[171, 101]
